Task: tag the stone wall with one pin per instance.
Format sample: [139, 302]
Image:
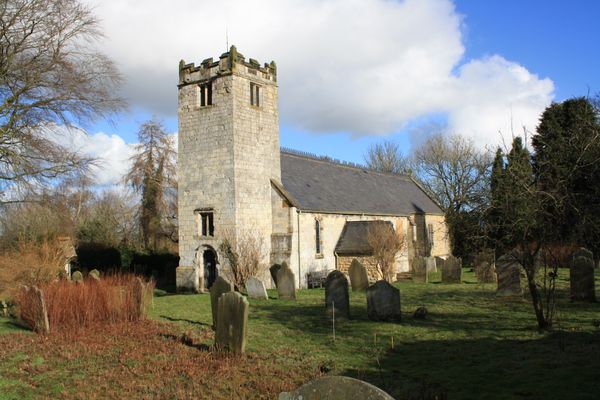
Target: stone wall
[368, 262]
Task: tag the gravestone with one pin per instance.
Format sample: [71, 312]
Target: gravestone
[256, 289]
[336, 294]
[358, 276]
[430, 264]
[273, 270]
[141, 297]
[286, 283]
[232, 324]
[94, 274]
[383, 302]
[485, 272]
[334, 388]
[38, 320]
[220, 286]
[77, 277]
[419, 270]
[509, 276]
[452, 270]
[582, 276]
[3, 309]
[439, 262]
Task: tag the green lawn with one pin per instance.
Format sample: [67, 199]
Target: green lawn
[472, 346]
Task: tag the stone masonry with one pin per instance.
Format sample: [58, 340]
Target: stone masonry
[228, 154]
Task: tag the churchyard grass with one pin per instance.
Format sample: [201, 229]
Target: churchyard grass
[471, 346]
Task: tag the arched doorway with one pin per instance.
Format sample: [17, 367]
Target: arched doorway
[209, 258]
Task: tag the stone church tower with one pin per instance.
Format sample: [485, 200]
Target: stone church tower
[228, 154]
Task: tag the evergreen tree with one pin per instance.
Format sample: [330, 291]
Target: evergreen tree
[494, 218]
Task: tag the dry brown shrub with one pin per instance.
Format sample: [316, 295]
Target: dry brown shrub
[385, 244]
[244, 254]
[30, 263]
[72, 306]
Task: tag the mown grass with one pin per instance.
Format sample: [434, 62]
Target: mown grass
[472, 346]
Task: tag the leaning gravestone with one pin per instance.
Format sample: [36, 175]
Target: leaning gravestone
[336, 294]
[273, 270]
[509, 276]
[431, 264]
[383, 302]
[334, 388]
[419, 272]
[140, 297]
[77, 276]
[358, 276]
[256, 289]
[485, 272]
[286, 283]
[452, 270]
[220, 286]
[232, 324]
[38, 320]
[94, 274]
[582, 276]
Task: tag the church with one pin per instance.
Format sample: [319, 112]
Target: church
[310, 212]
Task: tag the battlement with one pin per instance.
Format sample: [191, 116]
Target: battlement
[231, 62]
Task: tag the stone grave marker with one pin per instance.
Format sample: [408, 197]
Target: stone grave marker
[336, 294]
[431, 264]
[485, 272]
[256, 289]
[334, 388]
[286, 283]
[77, 276]
[439, 262]
[273, 270]
[94, 274]
[358, 276]
[419, 270]
[452, 270]
[232, 324]
[220, 286]
[509, 276]
[3, 309]
[141, 297]
[39, 313]
[383, 302]
[582, 276]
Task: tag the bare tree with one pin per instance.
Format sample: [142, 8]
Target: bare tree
[385, 244]
[153, 175]
[457, 175]
[51, 77]
[386, 157]
[245, 255]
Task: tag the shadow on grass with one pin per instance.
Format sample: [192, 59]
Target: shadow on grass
[189, 321]
[555, 366]
[186, 341]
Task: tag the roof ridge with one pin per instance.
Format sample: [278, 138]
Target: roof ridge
[339, 163]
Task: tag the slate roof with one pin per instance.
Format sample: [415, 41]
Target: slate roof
[326, 186]
[354, 241]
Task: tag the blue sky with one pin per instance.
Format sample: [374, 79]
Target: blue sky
[477, 64]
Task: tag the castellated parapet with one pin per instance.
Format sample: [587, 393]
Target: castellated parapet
[228, 154]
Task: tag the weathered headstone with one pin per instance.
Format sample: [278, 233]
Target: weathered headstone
[286, 283]
[358, 276]
[220, 286]
[430, 264]
[439, 262]
[95, 274]
[582, 276]
[77, 276]
[383, 302]
[419, 270]
[141, 297]
[232, 324]
[256, 289]
[38, 319]
[273, 270]
[509, 276]
[452, 270]
[336, 294]
[334, 388]
[485, 272]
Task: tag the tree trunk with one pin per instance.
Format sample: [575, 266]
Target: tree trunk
[536, 299]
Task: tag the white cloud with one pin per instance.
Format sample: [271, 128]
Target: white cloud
[363, 66]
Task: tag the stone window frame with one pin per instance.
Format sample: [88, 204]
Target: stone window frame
[255, 95]
[205, 222]
[204, 92]
[318, 237]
